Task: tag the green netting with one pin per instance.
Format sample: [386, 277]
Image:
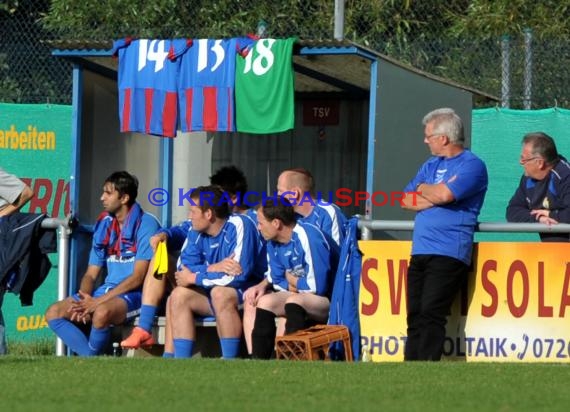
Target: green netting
[496, 138]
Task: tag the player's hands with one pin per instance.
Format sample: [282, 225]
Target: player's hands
[543, 216]
[228, 266]
[77, 317]
[292, 280]
[185, 277]
[82, 309]
[156, 239]
[252, 295]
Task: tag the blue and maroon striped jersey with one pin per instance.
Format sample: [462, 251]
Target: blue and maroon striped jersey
[206, 84]
[148, 73]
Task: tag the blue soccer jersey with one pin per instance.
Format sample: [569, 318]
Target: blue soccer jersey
[147, 79]
[121, 267]
[177, 235]
[329, 218]
[448, 229]
[308, 256]
[206, 85]
[239, 237]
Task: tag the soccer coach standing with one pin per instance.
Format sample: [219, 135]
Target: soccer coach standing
[452, 183]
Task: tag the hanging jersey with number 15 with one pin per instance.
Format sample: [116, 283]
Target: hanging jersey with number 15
[206, 85]
[265, 87]
[147, 75]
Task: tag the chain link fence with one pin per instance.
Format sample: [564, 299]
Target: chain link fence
[498, 66]
[28, 72]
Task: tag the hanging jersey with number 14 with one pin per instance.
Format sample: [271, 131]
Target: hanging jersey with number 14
[147, 75]
[265, 87]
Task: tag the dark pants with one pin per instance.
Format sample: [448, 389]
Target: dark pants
[433, 283]
[3, 349]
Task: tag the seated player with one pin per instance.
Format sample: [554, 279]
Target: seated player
[121, 245]
[302, 264]
[207, 283]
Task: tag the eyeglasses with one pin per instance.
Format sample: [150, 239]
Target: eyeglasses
[433, 135]
[528, 159]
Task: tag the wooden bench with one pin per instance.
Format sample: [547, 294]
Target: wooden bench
[207, 342]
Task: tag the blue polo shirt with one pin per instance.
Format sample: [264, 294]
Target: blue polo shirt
[448, 229]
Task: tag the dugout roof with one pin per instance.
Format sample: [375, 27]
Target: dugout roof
[341, 67]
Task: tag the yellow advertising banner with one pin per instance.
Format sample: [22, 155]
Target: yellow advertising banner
[518, 305]
[383, 298]
[512, 309]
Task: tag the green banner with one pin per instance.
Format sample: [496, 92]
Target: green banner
[35, 145]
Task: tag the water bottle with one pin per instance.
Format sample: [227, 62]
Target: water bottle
[366, 356]
[117, 351]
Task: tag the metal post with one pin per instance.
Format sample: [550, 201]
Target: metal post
[339, 19]
[63, 269]
[498, 227]
[527, 102]
[505, 72]
[371, 150]
[64, 228]
[365, 233]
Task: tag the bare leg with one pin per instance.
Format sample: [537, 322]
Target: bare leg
[275, 302]
[153, 288]
[248, 322]
[281, 321]
[317, 307]
[225, 302]
[168, 345]
[184, 303]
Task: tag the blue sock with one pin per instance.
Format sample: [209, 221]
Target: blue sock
[168, 355]
[71, 335]
[146, 318]
[230, 347]
[98, 338]
[183, 348]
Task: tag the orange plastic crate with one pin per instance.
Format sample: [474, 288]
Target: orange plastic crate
[313, 343]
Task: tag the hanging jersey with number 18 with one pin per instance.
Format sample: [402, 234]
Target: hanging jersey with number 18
[147, 75]
[265, 87]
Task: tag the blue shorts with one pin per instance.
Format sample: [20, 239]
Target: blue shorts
[133, 299]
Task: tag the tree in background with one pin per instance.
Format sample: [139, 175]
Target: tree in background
[196, 18]
[457, 39]
[549, 20]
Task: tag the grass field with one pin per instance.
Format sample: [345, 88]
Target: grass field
[48, 383]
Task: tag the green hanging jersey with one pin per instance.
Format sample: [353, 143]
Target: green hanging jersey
[264, 89]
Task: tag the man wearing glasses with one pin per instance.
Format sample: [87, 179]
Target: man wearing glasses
[452, 184]
[543, 194]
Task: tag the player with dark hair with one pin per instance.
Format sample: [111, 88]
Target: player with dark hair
[121, 245]
[297, 186]
[207, 284]
[232, 180]
[302, 264]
